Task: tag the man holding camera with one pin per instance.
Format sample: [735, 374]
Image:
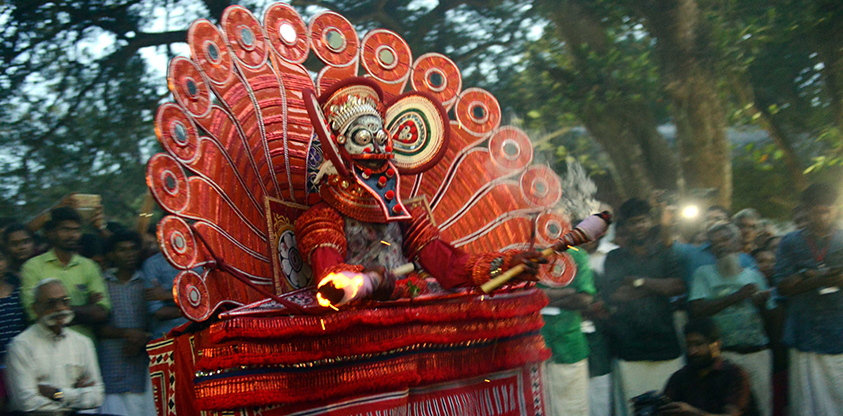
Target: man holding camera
[708, 385]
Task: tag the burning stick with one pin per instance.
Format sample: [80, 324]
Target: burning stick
[337, 289]
[587, 231]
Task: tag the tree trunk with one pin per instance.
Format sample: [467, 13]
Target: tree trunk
[785, 144]
[627, 132]
[629, 168]
[829, 35]
[683, 50]
[745, 91]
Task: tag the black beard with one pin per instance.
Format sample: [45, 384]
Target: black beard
[700, 363]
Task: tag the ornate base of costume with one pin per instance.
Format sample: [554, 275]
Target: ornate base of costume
[458, 351]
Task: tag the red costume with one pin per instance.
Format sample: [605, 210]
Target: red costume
[271, 186]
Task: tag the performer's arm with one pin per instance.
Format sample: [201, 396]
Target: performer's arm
[454, 267]
[321, 239]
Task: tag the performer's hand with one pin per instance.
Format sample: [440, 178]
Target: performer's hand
[560, 246]
[386, 284]
[531, 261]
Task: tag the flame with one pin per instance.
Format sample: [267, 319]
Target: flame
[325, 302]
[341, 281]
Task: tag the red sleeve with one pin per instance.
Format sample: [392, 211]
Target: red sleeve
[454, 267]
[321, 239]
[449, 265]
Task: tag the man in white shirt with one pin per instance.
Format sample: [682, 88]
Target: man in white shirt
[48, 367]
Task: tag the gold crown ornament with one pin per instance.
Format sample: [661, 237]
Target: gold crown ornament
[349, 104]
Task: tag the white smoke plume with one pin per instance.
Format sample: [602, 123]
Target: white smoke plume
[578, 191]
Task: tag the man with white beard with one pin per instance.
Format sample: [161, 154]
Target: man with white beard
[738, 300]
[48, 367]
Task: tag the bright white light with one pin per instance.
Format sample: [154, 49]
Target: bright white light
[691, 211]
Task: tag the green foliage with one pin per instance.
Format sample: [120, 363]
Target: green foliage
[553, 92]
[77, 118]
[831, 139]
[761, 181]
[74, 118]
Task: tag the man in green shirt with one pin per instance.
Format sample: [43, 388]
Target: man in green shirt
[82, 277]
[566, 374]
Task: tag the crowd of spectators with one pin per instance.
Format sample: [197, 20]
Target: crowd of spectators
[734, 320]
[79, 301]
[737, 319]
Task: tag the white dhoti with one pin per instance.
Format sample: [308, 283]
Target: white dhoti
[566, 388]
[130, 404]
[634, 378]
[759, 367]
[816, 384]
[600, 395]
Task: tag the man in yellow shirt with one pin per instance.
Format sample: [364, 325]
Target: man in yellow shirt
[82, 277]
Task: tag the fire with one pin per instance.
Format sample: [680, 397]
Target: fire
[325, 302]
[349, 283]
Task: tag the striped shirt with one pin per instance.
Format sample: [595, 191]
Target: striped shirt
[123, 374]
[12, 321]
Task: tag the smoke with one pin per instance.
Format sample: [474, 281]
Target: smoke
[578, 191]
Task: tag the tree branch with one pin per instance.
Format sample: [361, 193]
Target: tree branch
[143, 40]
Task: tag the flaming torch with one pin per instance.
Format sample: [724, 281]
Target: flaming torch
[587, 231]
[337, 289]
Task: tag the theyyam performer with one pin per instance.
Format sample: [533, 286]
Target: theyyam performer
[343, 236]
[357, 245]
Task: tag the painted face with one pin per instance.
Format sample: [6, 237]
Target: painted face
[366, 141]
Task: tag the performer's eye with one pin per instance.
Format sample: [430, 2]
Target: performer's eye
[362, 137]
[381, 136]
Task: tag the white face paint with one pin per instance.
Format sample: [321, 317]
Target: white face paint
[366, 137]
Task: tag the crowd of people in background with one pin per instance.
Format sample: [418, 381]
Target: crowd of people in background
[79, 301]
[734, 320]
